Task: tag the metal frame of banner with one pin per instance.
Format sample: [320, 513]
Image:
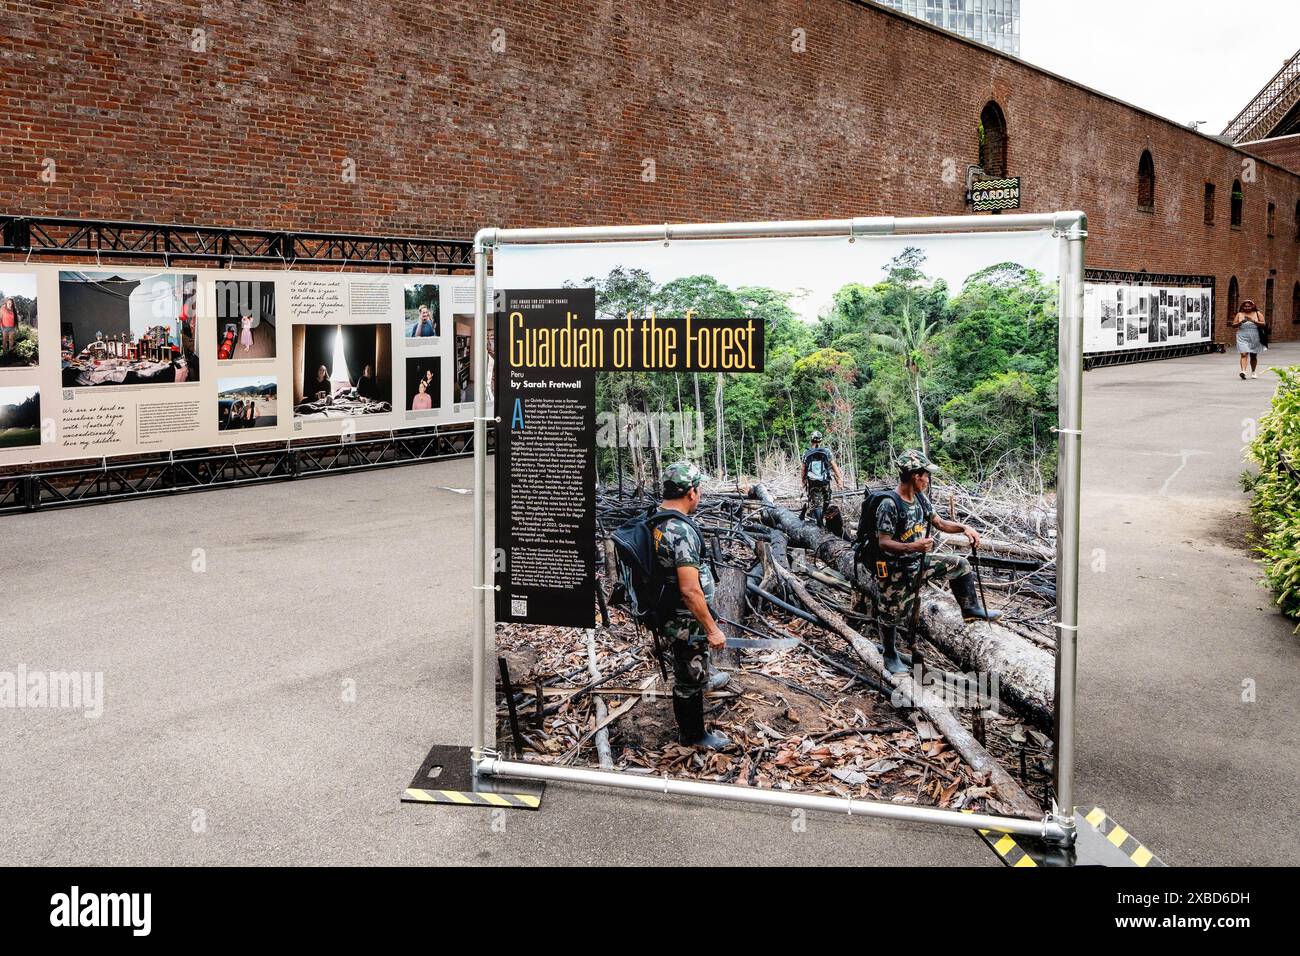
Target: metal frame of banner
[1070, 228]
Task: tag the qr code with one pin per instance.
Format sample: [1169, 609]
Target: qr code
[518, 607]
[67, 395]
[297, 426]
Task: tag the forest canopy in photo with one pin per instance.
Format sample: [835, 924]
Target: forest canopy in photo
[897, 363]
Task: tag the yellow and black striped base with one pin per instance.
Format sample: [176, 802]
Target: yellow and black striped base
[447, 777]
[466, 798]
[1100, 842]
[1008, 850]
[1121, 839]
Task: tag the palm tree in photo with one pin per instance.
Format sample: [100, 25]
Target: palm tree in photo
[907, 333]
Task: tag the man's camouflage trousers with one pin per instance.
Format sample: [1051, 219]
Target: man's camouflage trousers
[819, 499]
[690, 657]
[898, 586]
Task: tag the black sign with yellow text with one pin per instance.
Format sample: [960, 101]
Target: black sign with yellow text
[989, 194]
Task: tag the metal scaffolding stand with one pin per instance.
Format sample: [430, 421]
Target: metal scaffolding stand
[112, 479]
[1093, 360]
[36, 236]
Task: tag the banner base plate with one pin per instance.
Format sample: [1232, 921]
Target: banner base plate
[446, 776]
[1101, 842]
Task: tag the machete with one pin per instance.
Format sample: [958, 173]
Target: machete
[762, 643]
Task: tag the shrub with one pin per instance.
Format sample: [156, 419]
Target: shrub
[1275, 505]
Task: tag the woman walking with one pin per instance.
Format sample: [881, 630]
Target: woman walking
[1248, 322]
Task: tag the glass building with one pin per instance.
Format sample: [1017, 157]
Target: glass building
[993, 22]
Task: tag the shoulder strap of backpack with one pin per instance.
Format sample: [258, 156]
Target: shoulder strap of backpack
[663, 515]
[705, 553]
[656, 518]
[881, 496]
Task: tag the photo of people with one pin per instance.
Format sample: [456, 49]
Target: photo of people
[20, 416]
[341, 371]
[822, 461]
[19, 342]
[421, 303]
[245, 320]
[462, 387]
[128, 329]
[246, 402]
[423, 384]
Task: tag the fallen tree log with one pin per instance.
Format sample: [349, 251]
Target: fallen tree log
[1007, 791]
[1026, 672]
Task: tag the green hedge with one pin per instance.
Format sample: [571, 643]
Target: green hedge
[1275, 505]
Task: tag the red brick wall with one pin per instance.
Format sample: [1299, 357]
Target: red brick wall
[1285, 151]
[448, 136]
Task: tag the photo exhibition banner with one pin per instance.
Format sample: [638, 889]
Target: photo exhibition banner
[552, 347]
[687, 434]
[98, 362]
[1135, 310]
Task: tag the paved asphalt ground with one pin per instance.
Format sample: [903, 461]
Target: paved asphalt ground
[226, 738]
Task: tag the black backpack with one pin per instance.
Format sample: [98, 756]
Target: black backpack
[650, 593]
[823, 455]
[866, 546]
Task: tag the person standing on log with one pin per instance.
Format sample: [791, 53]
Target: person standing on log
[901, 518]
[691, 626]
[819, 466]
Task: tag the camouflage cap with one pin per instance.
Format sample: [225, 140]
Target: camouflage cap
[816, 436]
[679, 478]
[914, 460]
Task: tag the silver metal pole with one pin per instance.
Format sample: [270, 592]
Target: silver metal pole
[1070, 441]
[482, 242]
[862, 226]
[1047, 828]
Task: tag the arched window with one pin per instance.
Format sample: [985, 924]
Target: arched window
[1295, 304]
[1237, 199]
[1146, 182]
[993, 140]
[1232, 298]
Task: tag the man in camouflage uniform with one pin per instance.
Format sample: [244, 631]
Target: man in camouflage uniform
[692, 628]
[819, 466]
[901, 535]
